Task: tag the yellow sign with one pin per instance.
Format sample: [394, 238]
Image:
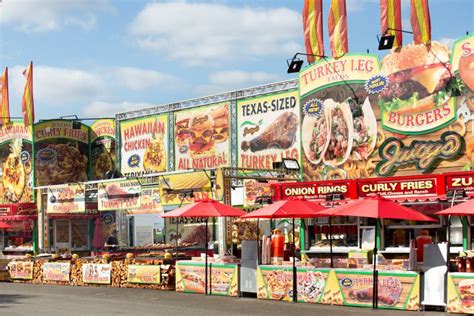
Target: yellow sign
[22, 270]
[66, 199]
[144, 274]
[150, 202]
[174, 187]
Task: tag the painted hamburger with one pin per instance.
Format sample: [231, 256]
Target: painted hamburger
[202, 137]
[220, 116]
[417, 78]
[466, 292]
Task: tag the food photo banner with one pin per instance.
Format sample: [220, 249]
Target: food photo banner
[65, 199]
[144, 145]
[102, 148]
[56, 271]
[61, 152]
[268, 130]
[16, 163]
[119, 195]
[202, 137]
[411, 113]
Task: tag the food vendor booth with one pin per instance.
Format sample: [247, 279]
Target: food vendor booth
[18, 238]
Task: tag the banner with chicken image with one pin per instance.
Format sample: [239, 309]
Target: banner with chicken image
[16, 163]
[144, 145]
[268, 130]
[102, 148]
[202, 137]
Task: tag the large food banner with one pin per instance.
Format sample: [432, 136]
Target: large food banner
[461, 293]
[56, 271]
[70, 198]
[102, 148]
[144, 145]
[202, 137]
[144, 274]
[61, 152]
[96, 273]
[150, 201]
[268, 130]
[119, 195]
[16, 163]
[401, 117]
[174, 186]
[22, 270]
[222, 279]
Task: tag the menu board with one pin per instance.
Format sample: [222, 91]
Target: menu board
[119, 195]
[16, 163]
[222, 278]
[61, 152]
[144, 145]
[22, 270]
[202, 137]
[268, 130]
[56, 271]
[144, 274]
[66, 199]
[96, 273]
[102, 148]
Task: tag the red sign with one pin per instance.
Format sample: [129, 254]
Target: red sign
[316, 190]
[460, 181]
[408, 187]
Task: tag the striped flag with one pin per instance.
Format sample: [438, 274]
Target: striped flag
[4, 101]
[313, 29]
[420, 21]
[27, 104]
[338, 28]
[391, 18]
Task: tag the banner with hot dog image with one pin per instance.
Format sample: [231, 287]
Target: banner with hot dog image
[144, 145]
[102, 148]
[202, 137]
[268, 130]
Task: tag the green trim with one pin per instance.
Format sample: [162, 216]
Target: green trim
[455, 44]
[417, 280]
[465, 227]
[334, 84]
[381, 273]
[378, 238]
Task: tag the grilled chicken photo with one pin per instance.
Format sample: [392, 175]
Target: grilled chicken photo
[281, 134]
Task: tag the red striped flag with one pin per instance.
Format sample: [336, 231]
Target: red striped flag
[391, 18]
[338, 28]
[313, 29]
[420, 21]
[4, 101]
[27, 104]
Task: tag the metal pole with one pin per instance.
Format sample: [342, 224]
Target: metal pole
[374, 276]
[206, 256]
[295, 291]
[330, 242]
[176, 237]
[259, 258]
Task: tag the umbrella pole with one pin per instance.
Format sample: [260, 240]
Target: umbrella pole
[259, 259]
[295, 291]
[177, 238]
[374, 276]
[206, 257]
[330, 242]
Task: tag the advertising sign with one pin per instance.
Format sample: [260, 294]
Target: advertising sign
[150, 202]
[173, 185]
[102, 148]
[268, 130]
[463, 181]
[61, 152]
[388, 188]
[22, 270]
[254, 189]
[66, 199]
[223, 278]
[96, 273]
[16, 163]
[144, 145]
[316, 190]
[202, 137]
[187, 230]
[56, 271]
[144, 274]
[460, 290]
[119, 195]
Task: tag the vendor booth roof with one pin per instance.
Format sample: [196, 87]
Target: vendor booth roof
[463, 209]
[205, 208]
[294, 208]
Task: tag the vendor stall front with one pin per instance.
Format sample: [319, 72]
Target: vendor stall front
[19, 238]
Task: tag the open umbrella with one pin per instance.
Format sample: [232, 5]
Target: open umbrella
[293, 208]
[205, 208]
[4, 225]
[376, 207]
[98, 241]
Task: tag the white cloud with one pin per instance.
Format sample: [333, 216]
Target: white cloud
[57, 86]
[447, 41]
[109, 109]
[196, 33]
[222, 81]
[49, 15]
[141, 79]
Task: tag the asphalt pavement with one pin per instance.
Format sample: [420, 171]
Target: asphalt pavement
[29, 299]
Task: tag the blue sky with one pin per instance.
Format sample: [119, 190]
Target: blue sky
[98, 57]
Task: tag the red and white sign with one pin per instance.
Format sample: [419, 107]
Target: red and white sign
[464, 181]
[316, 190]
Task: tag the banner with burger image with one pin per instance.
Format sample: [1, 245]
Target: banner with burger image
[102, 148]
[202, 137]
[339, 127]
[461, 293]
[268, 130]
[61, 152]
[144, 145]
[16, 163]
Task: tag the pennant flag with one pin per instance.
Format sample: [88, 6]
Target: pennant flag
[391, 18]
[420, 21]
[338, 28]
[4, 101]
[313, 29]
[27, 104]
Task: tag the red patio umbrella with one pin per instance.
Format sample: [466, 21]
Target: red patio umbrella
[98, 241]
[463, 209]
[204, 208]
[293, 208]
[4, 225]
[377, 207]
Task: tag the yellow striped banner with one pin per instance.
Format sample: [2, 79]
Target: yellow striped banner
[4, 102]
[391, 18]
[27, 104]
[420, 21]
[337, 23]
[313, 29]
